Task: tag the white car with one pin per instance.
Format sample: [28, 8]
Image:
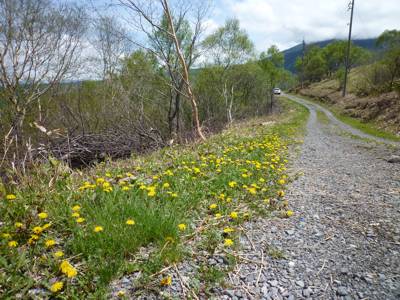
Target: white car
[277, 91]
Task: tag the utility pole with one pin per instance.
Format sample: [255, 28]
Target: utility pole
[348, 50]
[302, 62]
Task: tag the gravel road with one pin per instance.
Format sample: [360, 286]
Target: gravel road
[343, 241]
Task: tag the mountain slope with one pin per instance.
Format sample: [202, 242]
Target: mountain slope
[291, 54]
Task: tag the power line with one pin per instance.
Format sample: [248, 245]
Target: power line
[348, 49]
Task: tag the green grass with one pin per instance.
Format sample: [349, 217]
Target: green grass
[186, 180]
[366, 127]
[321, 116]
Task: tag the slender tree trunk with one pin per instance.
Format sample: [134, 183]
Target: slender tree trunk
[192, 98]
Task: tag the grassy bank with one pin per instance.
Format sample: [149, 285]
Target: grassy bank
[68, 234]
[366, 127]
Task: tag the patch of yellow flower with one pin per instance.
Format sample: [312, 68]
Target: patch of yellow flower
[12, 244]
[11, 197]
[58, 254]
[151, 191]
[68, 269]
[213, 206]
[50, 243]
[130, 222]
[166, 281]
[18, 224]
[56, 286]
[182, 227]
[43, 215]
[234, 215]
[228, 242]
[98, 228]
[232, 184]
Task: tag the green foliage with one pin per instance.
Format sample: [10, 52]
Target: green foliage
[271, 62]
[390, 41]
[229, 45]
[330, 60]
[335, 55]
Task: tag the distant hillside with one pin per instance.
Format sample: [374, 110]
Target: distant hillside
[292, 53]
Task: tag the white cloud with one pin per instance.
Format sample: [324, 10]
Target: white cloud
[285, 23]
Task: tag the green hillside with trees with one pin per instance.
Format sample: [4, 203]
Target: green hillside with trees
[374, 84]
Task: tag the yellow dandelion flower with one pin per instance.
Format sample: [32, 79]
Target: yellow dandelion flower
[100, 181]
[218, 215]
[196, 170]
[11, 197]
[252, 190]
[50, 243]
[98, 229]
[45, 226]
[75, 215]
[34, 237]
[108, 190]
[68, 269]
[80, 220]
[228, 230]
[58, 254]
[213, 206]
[244, 175]
[18, 224]
[234, 215]
[121, 293]
[43, 215]
[151, 191]
[126, 188]
[289, 213]
[166, 185]
[229, 199]
[166, 281]
[76, 208]
[232, 184]
[12, 244]
[228, 242]
[6, 235]
[37, 229]
[281, 193]
[281, 181]
[56, 286]
[182, 227]
[130, 222]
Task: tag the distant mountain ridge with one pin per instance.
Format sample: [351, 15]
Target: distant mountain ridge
[291, 54]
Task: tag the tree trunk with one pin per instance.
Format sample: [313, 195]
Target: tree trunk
[195, 112]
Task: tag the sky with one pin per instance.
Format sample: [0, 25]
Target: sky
[285, 22]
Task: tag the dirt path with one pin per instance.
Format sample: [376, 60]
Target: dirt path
[344, 240]
[314, 107]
